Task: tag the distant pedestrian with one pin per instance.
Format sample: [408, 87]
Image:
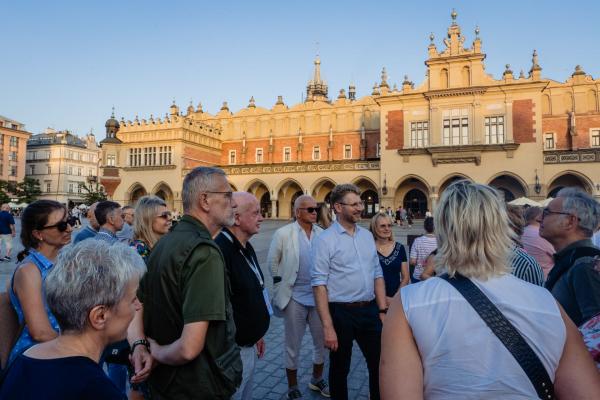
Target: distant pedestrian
[7, 230]
[289, 260]
[110, 219]
[152, 221]
[349, 291]
[125, 235]
[91, 229]
[535, 245]
[324, 219]
[421, 249]
[524, 266]
[249, 297]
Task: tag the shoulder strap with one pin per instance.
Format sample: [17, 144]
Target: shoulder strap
[507, 333]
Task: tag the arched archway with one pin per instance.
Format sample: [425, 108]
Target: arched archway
[265, 205]
[287, 193]
[260, 190]
[569, 179]
[134, 193]
[321, 189]
[415, 200]
[408, 189]
[509, 185]
[449, 180]
[369, 195]
[163, 191]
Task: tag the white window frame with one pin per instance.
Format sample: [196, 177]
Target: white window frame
[378, 150]
[48, 187]
[494, 129]
[111, 160]
[289, 154]
[32, 169]
[550, 135]
[594, 133]
[234, 158]
[419, 134]
[455, 127]
[316, 153]
[71, 187]
[346, 148]
[259, 155]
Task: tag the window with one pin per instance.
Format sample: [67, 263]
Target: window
[455, 127]
[1, 139]
[14, 141]
[259, 155]
[48, 169]
[14, 126]
[12, 156]
[90, 172]
[232, 159]
[419, 134]
[48, 155]
[549, 143]
[494, 130]
[595, 138]
[164, 155]
[48, 187]
[135, 157]
[287, 154]
[316, 153]
[13, 170]
[378, 151]
[347, 151]
[32, 155]
[150, 156]
[32, 170]
[70, 170]
[79, 171]
[70, 187]
[110, 160]
[79, 189]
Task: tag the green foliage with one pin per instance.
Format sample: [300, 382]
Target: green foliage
[28, 191]
[6, 189]
[92, 193]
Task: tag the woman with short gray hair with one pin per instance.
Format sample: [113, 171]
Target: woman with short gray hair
[435, 344]
[92, 293]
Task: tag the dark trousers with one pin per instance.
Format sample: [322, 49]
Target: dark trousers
[363, 325]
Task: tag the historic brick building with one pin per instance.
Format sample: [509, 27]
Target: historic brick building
[526, 135]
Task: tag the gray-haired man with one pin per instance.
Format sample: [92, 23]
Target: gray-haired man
[290, 264]
[568, 223]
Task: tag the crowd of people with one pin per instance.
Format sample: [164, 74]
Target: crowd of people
[136, 307]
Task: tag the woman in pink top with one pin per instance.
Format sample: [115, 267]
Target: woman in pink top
[535, 245]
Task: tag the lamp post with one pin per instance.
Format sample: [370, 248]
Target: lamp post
[537, 186]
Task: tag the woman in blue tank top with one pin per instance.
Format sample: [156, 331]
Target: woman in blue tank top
[44, 231]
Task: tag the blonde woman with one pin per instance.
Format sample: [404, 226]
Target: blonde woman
[392, 255]
[436, 346]
[152, 221]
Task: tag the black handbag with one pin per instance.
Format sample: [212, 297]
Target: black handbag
[507, 333]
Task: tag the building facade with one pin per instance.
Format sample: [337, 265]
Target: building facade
[62, 162]
[524, 134]
[13, 143]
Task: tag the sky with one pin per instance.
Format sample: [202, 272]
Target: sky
[65, 64]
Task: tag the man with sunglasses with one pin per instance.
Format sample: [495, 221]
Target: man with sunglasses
[568, 223]
[289, 261]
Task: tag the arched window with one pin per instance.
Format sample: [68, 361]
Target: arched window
[466, 76]
[444, 78]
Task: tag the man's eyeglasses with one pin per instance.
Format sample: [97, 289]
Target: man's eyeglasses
[546, 211]
[228, 195]
[353, 205]
[310, 210]
[165, 215]
[62, 226]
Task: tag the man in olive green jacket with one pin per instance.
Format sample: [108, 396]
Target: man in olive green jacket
[187, 313]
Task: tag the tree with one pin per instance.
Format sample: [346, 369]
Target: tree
[28, 191]
[92, 193]
[4, 191]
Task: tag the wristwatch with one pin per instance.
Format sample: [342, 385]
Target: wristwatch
[139, 342]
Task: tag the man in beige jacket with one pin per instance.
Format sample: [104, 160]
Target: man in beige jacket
[289, 260]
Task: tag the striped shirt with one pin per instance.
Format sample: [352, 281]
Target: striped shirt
[526, 267]
[420, 250]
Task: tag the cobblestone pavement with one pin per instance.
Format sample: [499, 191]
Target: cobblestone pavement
[270, 381]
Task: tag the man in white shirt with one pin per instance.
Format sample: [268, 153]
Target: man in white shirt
[289, 260]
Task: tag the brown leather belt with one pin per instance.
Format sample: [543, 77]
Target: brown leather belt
[355, 304]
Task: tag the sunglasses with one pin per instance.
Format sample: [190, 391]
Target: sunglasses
[62, 226]
[165, 215]
[310, 209]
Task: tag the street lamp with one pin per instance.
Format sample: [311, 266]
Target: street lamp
[537, 187]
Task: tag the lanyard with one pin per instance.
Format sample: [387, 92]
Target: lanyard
[250, 262]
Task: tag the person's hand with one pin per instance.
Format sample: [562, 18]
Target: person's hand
[382, 317]
[260, 348]
[142, 362]
[331, 341]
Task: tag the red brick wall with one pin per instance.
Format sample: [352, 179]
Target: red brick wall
[560, 127]
[372, 140]
[237, 146]
[523, 122]
[395, 129]
[194, 157]
[583, 124]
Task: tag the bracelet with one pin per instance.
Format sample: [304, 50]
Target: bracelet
[384, 311]
[140, 342]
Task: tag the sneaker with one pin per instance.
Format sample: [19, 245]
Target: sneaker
[320, 386]
[294, 393]
[7, 258]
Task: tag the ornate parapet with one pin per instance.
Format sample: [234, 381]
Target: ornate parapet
[257, 169]
[571, 156]
[458, 154]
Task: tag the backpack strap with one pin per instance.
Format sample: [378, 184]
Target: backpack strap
[507, 333]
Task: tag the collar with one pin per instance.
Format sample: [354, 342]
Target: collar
[573, 246]
[234, 240]
[188, 220]
[41, 259]
[341, 230]
[107, 232]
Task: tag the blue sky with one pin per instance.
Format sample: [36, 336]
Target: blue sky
[65, 64]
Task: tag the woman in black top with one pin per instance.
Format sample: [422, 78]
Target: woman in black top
[92, 292]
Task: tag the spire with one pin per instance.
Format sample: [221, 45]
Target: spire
[316, 88]
[384, 77]
[536, 70]
[252, 103]
[352, 92]
[453, 15]
[112, 115]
